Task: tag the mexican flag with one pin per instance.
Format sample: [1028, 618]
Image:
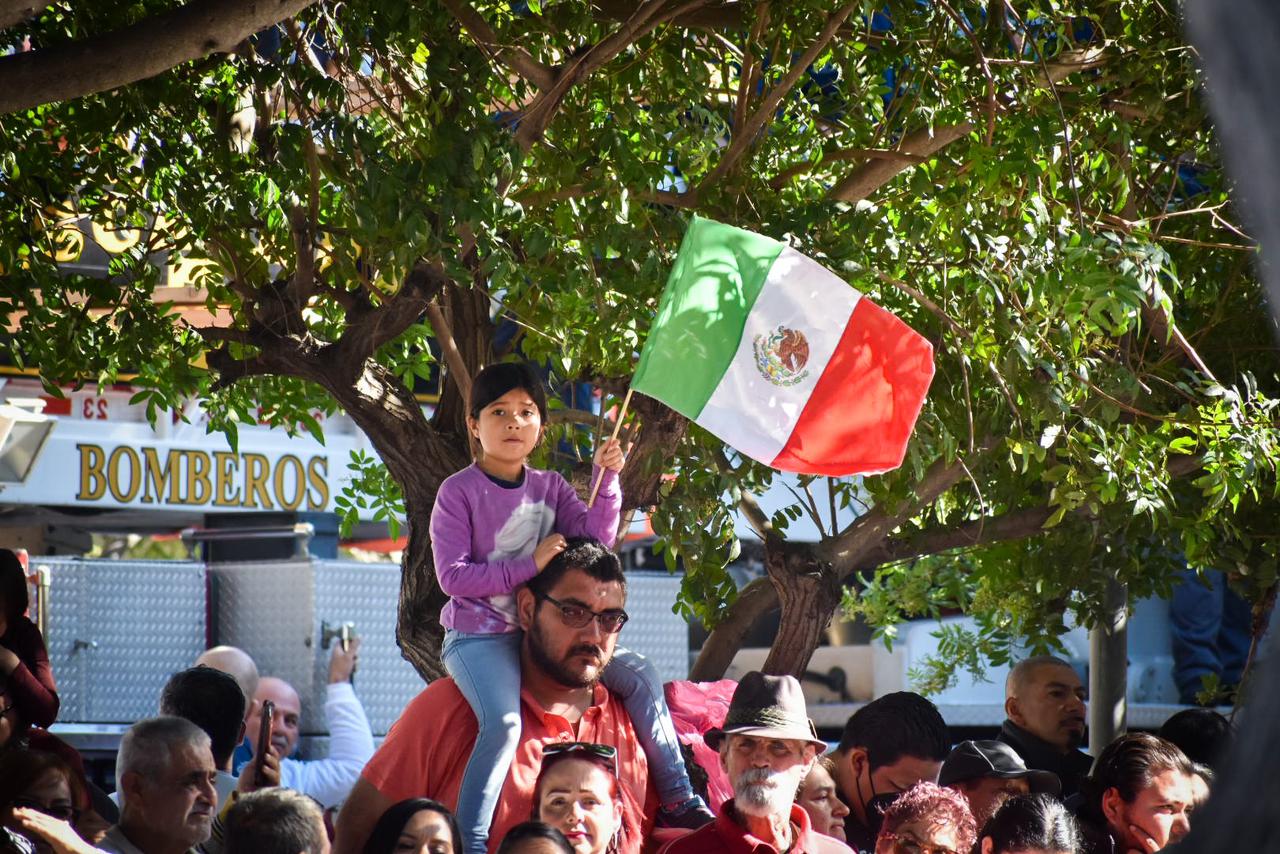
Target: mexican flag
[781, 358]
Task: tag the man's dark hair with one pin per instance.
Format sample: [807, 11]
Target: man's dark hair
[13, 585]
[583, 554]
[1129, 764]
[274, 821]
[496, 380]
[897, 725]
[213, 701]
[1203, 734]
[529, 830]
[1032, 823]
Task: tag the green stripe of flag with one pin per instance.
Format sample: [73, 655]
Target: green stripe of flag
[716, 278]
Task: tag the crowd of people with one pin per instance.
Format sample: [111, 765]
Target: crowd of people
[549, 737]
[579, 780]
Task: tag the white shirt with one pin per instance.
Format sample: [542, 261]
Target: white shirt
[329, 781]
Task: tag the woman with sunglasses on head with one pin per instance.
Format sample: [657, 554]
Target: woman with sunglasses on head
[38, 797]
[577, 793]
[415, 826]
[494, 526]
[927, 819]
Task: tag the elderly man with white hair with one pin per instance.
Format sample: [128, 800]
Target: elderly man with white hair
[767, 746]
[166, 776]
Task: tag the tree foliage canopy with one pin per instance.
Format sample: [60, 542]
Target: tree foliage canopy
[1032, 185]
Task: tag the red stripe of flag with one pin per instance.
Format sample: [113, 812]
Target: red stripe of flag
[864, 406]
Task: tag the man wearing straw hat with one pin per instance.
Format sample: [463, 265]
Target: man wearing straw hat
[767, 746]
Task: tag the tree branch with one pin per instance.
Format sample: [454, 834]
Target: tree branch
[517, 59]
[849, 549]
[754, 601]
[537, 117]
[745, 135]
[453, 358]
[145, 49]
[14, 12]
[871, 176]
[370, 328]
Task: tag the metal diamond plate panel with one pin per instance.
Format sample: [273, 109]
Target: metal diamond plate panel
[68, 581]
[266, 609]
[275, 611]
[654, 630]
[118, 630]
[367, 595]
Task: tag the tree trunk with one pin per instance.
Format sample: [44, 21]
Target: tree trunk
[754, 601]
[809, 593]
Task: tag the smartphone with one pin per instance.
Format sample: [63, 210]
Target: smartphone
[264, 740]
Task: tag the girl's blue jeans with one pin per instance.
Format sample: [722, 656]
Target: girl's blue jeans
[486, 669]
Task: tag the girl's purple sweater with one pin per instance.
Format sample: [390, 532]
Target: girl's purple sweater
[483, 535]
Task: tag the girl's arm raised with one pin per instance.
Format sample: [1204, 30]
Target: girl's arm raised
[573, 519]
[458, 573]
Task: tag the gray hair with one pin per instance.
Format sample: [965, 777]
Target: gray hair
[274, 821]
[1021, 672]
[148, 745]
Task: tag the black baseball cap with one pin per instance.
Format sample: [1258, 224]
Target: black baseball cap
[970, 760]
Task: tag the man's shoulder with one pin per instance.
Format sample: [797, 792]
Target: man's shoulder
[705, 838]
[439, 701]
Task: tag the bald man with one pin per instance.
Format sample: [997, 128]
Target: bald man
[237, 664]
[1044, 704]
[329, 780]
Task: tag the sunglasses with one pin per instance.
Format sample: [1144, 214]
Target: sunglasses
[578, 617]
[910, 845]
[60, 812]
[607, 752]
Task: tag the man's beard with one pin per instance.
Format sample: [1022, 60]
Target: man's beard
[763, 792]
[559, 670]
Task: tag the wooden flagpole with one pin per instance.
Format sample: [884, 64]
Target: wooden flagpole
[617, 427]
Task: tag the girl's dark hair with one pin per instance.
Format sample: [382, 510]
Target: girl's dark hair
[13, 585]
[496, 380]
[627, 829]
[528, 830]
[1032, 822]
[22, 769]
[388, 829]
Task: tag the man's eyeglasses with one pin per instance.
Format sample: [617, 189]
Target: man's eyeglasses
[607, 752]
[62, 812]
[578, 617]
[907, 844]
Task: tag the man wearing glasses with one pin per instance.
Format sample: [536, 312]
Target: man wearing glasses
[571, 614]
[767, 746]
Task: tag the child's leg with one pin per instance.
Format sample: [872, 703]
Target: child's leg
[486, 669]
[638, 685]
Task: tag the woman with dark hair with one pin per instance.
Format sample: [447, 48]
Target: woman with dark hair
[39, 803]
[25, 674]
[534, 837]
[415, 826]
[577, 793]
[1031, 824]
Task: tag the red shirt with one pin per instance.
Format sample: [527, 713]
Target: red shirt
[426, 752]
[31, 685]
[726, 835]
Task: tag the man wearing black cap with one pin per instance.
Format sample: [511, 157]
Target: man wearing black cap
[988, 773]
[767, 746]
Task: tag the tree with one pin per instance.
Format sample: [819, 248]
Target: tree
[1034, 187]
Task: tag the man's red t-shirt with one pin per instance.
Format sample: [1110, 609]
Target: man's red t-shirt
[426, 752]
